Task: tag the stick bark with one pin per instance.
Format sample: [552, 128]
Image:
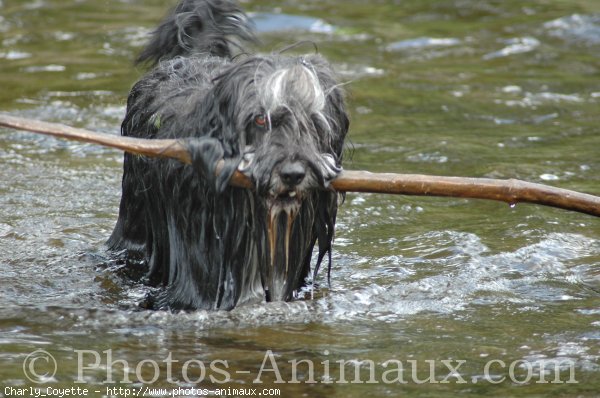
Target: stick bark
[511, 191]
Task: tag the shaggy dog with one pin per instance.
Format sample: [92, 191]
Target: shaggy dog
[279, 119]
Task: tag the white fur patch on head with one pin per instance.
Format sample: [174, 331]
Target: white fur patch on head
[296, 87]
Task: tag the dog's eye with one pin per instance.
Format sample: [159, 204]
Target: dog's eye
[260, 121]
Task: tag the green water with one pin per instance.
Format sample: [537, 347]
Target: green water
[469, 88]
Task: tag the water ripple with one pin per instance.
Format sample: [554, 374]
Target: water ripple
[270, 23]
[576, 28]
[518, 45]
[423, 42]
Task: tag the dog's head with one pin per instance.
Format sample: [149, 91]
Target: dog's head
[289, 121]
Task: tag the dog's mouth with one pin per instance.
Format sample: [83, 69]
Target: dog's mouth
[287, 201]
[282, 209]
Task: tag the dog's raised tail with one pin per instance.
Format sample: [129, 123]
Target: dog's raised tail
[198, 27]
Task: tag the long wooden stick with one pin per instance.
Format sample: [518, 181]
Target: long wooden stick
[510, 191]
[156, 148]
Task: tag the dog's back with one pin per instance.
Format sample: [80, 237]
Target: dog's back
[205, 30]
[198, 27]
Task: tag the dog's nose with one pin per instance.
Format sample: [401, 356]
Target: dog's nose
[292, 173]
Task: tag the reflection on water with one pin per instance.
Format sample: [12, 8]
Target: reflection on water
[473, 88]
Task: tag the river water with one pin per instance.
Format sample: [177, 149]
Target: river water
[470, 298]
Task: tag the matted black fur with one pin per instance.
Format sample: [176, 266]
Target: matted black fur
[279, 119]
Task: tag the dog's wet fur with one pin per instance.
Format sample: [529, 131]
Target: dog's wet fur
[279, 119]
